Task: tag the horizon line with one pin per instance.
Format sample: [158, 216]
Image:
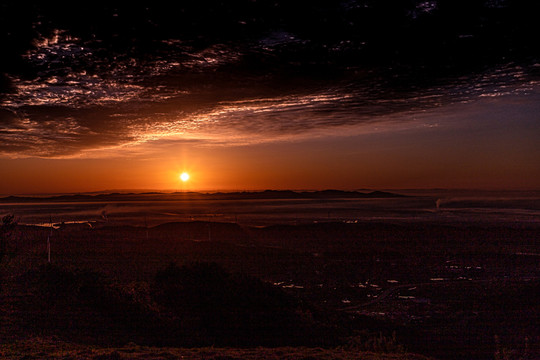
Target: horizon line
[214, 191]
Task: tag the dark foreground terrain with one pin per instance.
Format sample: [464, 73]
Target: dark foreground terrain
[323, 290]
[41, 349]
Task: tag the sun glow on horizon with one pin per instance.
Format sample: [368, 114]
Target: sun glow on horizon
[184, 176]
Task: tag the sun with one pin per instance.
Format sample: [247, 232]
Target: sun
[184, 176]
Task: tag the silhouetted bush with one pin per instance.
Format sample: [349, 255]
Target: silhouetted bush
[234, 310]
[196, 305]
[86, 306]
[6, 229]
[379, 343]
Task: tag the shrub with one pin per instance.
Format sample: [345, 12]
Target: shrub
[230, 309]
[197, 305]
[6, 230]
[87, 306]
[379, 343]
[523, 352]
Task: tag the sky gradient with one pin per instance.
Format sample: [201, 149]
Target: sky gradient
[269, 95]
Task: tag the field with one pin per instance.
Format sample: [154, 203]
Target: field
[454, 280]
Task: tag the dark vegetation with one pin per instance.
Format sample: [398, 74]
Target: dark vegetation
[40, 348]
[6, 229]
[465, 291]
[197, 305]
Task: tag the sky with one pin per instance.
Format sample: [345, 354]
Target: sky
[252, 95]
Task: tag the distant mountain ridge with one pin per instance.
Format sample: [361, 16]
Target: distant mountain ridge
[157, 196]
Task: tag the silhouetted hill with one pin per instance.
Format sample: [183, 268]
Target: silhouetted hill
[157, 196]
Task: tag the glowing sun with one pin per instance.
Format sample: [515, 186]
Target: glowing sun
[184, 176]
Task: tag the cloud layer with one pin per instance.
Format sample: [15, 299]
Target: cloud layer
[127, 76]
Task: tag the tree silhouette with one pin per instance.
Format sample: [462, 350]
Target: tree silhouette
[6, 230]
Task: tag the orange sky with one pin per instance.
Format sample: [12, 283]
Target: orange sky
[451, 153]
[382, 96]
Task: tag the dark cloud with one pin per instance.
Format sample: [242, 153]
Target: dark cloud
[93, 75]
[7, 118]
